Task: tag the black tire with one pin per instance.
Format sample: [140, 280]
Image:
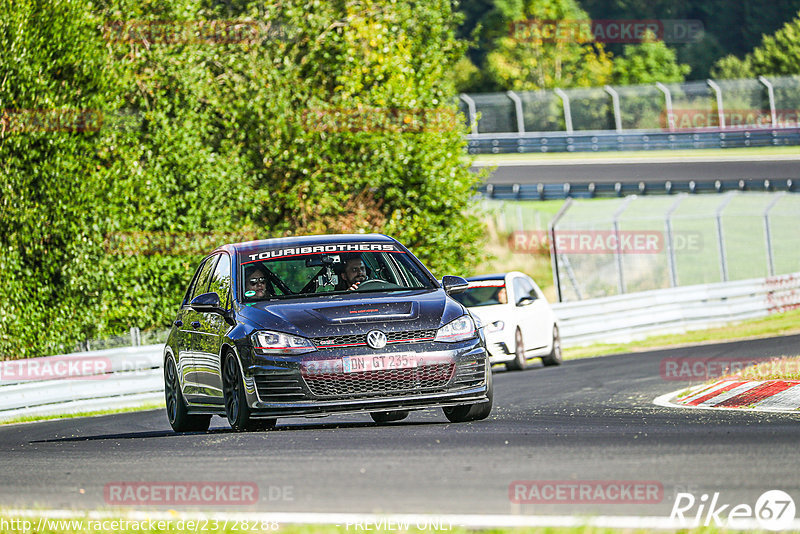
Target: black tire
[236, 408]
[519, 363]
[555, 357]
[177, 413]
[389, 417]
[473, 412]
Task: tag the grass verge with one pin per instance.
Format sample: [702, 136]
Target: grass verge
[780, 324]
[91, 413]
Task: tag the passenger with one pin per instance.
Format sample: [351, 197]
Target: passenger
[352, 273]
[255, 282]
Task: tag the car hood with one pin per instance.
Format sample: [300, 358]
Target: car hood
[355, 313]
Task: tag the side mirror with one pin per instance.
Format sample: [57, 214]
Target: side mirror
[454, 284]
[207, 302]
[525, 301]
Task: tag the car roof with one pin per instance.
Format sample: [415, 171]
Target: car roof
[496, 276]
[299, 241]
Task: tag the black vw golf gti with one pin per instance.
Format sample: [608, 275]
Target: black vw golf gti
[317, 325]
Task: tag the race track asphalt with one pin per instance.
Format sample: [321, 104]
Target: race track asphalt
[588, 420]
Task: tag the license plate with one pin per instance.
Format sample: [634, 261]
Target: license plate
[359, 364]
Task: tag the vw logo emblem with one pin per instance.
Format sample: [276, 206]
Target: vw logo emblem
[376, 339]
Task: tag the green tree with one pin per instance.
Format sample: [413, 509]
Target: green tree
[526, 60]
[648, 63]
[777, 55]
[208, 137]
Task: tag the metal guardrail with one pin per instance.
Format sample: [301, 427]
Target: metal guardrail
[623, 318]
[560, 191]
[605, 141]
[83, 381]
[609, 140]
[697, 114]
[132, 376]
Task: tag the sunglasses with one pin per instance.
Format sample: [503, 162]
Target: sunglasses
[254, 281]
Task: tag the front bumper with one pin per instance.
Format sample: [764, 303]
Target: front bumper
[454, 374]
[500, 346]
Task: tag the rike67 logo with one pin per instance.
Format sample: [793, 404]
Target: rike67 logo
[773, 510]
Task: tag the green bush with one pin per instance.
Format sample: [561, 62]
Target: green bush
[334, 116]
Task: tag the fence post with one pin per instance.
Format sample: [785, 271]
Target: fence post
[518, 109]
[720, 110]
[768, 234]
[771, 94]
[723, 260]
[553, 251]
[473, 120]
[567, 110]
[668, 103]
[615, 104]
[618, 253]
[673, 266]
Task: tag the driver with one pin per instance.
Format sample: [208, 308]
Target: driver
[353, 273]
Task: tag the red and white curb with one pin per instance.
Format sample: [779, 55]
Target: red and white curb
[733, 394]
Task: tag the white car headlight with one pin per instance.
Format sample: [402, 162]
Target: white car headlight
[458, 330]
[496, 326]
[266, 342]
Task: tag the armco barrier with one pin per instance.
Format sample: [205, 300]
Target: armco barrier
[604, 141]
[132, 376]
[84, 381]
[622, 318]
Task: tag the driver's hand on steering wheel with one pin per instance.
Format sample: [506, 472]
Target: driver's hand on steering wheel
[354, 286]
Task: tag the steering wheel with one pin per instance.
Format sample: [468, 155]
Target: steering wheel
[371, 281]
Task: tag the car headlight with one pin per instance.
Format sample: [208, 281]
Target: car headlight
[496, 326]
[458, 330]
[266, 342]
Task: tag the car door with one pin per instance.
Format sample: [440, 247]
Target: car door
[207, 357]
[193, 330]
[183, 334]
[532, 311]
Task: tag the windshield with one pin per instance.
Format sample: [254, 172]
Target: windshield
[288, 273]
[485, 293]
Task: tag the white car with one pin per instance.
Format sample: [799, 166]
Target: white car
[518, 321]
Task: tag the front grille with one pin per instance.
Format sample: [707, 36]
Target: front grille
[354, 340]
[398, 381]
[470, 374]
[283, 387]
